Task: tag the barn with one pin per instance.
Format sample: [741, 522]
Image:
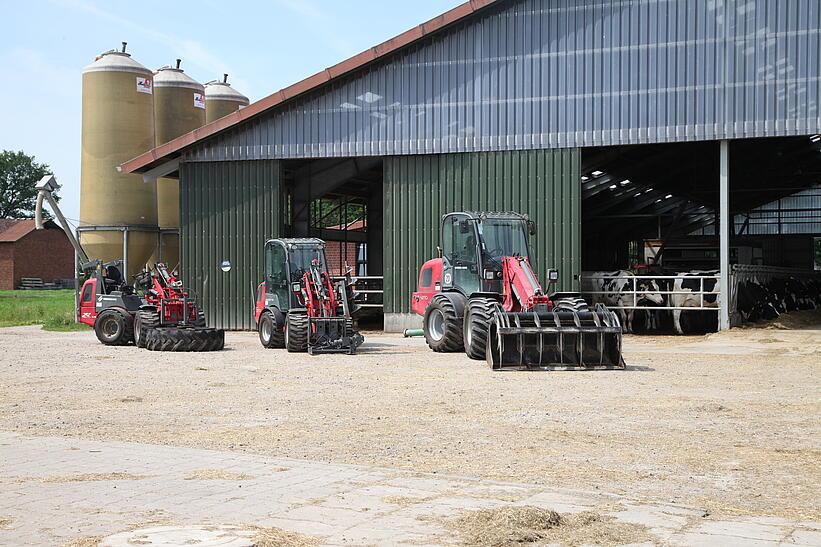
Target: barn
[26, 252]
[620, 128]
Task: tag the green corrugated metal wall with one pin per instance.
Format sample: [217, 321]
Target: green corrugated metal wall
[227, 211]
[419, 189]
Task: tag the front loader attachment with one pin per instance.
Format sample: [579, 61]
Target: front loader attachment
[557, 340]
[332, 335]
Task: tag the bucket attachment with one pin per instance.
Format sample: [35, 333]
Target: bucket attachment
[555, 340]
[332, 335]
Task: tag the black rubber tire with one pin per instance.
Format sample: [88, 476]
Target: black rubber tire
[144, 321]
[574, 303]
[452, 340]
[114, 328]
[296, 332]
[177, 339]
[271, 336]
[478, 314]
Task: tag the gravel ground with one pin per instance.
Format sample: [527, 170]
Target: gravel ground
[728, 422]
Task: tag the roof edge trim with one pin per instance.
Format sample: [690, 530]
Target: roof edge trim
[143, 161]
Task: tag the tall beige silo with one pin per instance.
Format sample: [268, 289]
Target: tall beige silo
[179, 107]
[221, 99]
[118, 125]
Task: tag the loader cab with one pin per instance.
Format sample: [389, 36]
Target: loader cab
[286, 261]
[473, 245]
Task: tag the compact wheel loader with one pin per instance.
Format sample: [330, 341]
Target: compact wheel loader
[481, 296]
[298, 306]
[162, 318]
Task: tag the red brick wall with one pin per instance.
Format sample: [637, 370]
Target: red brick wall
[6, 266]
[334, 253]
[46, 254]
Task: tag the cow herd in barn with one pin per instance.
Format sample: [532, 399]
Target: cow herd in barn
[663, 300]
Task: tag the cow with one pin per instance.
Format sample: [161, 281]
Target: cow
[615, 289]
[754, 301]
[686, 293]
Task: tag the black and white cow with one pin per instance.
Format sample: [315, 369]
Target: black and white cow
[754, 301]
[687, 293]
[615, 289]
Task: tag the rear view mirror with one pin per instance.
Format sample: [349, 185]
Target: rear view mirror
[531, 227]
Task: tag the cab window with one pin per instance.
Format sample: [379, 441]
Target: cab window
[427, 277]
[87, 293]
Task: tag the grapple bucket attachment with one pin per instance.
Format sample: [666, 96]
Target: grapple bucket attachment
[332, 335]
[555, 340]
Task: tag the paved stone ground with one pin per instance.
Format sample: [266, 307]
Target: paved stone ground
[54, 489]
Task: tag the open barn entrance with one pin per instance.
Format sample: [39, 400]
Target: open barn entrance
[340, 201]
[659, 204]
[654, 209]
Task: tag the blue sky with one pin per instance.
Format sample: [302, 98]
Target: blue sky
[263, 44]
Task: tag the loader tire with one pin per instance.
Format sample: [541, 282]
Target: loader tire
[296, 332]
[177, 339]
[144, 321]
[478, 314]
[571, 304]
[443, 326]
[270, 334]
[114, 328]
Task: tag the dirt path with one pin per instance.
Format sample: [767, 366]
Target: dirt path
[729, 422]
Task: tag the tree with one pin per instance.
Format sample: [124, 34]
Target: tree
[18, 175]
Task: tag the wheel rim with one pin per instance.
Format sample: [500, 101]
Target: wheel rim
[110, 327]
[137, 328]
[287, 337]
[266, 330]
[469, 333]
[436, 325]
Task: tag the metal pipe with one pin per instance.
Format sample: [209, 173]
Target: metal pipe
[125, 254]
[45, 187]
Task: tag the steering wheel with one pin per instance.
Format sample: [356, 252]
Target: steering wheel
[498, 252]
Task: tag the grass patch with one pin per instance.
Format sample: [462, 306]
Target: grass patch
[52, 309]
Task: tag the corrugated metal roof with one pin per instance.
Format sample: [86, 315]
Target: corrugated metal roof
[375, 53]
[530, 74]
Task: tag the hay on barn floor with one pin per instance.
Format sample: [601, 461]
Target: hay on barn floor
[93, 541]
[276, 537]
[217, 475]
[526, 525]
[85, 477]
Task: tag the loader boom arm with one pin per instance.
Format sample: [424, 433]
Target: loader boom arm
[521, 290]
[45, 187]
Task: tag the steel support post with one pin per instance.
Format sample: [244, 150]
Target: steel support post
[125, 253]
[724, 235]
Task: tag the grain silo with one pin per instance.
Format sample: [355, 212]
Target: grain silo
[179, 107]
[118, 212]
[221, 99]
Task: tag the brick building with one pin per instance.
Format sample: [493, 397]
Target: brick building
[28, 252]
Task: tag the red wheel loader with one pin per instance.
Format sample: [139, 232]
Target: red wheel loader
[163, 318]
[298, 306]
[482, 296]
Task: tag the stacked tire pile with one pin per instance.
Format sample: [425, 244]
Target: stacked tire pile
[149, 334]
